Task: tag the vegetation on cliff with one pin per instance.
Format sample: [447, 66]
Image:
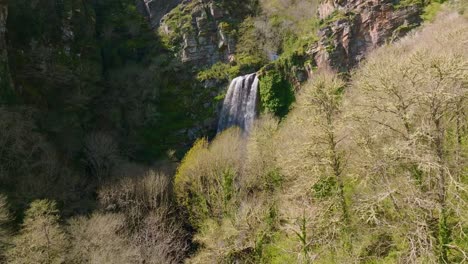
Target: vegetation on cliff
[109, 152]
[371, 172]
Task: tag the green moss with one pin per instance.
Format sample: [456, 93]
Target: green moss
[179, 22]
[337, 15]
[407, 3]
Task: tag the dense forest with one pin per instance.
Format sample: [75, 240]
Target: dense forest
[218, 131]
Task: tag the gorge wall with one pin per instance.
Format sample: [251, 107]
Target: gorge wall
[198, 33]
[205, 34]
[154, 10]
[99, 66]
[352, 29]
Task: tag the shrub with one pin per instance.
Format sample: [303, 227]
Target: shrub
[276, 93]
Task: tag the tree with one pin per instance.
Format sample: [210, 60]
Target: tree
[408, 100]
[102, 238]
[41, 239]
[151, 224]
[311, 151]
[205, 181]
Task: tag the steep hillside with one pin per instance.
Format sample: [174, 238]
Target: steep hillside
[372, 170]
[351, 146]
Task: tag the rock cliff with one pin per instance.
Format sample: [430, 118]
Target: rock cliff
[198, 32]
[154, 10]
[351, 29]
[98, 65]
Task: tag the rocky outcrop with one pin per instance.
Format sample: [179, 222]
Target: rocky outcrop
[203, 35]
[5, 79]
[154, 10]
[351, 29]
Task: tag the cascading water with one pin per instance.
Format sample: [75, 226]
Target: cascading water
[240, 103]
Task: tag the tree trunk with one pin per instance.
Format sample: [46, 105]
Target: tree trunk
[444, 232]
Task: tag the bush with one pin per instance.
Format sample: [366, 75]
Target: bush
[276, 93]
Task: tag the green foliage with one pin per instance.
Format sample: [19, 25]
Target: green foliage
[324, 188]
[204, 183]
[249, 56]
[41, 239]
[178, 22]
[227, 178]
[431, 10]
[276, 93]
[248, 39]
[431, 7]
[408, 3]
[226, 71]
[337, 15]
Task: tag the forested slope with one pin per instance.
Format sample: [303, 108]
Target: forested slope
[109, 152]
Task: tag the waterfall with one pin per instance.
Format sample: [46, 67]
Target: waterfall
[240, 103]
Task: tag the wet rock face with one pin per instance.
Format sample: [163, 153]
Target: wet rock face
[354, 28]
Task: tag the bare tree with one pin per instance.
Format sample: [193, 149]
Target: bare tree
[101, 154]
[409, 109]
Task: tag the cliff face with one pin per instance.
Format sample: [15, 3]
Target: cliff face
[79, 60]
[85, 66]
[354, 28]
[154, 10]
[198, 33]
